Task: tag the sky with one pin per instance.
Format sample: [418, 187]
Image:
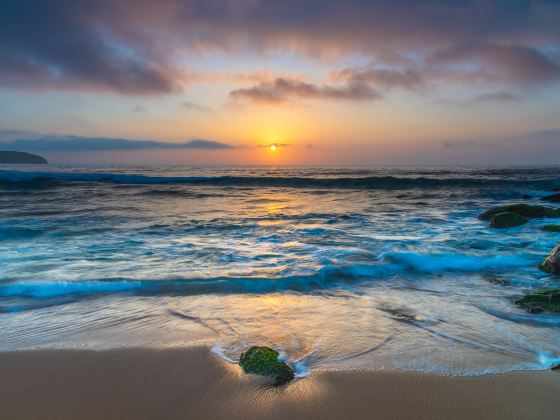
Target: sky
[355, 82]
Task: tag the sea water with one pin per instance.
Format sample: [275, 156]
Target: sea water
[335, 267]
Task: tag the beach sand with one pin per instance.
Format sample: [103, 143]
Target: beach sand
[193, 383]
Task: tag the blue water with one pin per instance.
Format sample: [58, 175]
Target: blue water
[338, 268]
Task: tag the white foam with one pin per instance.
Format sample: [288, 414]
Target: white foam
[430, 263]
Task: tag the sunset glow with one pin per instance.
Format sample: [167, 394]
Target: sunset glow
[396, 83]
[285, 209]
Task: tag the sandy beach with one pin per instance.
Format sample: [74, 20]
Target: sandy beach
[193, 383]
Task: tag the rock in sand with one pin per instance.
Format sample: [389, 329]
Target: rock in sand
[264, 361]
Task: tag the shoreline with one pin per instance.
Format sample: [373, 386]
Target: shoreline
[140, 383]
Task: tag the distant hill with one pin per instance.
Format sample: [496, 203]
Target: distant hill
[21, 157]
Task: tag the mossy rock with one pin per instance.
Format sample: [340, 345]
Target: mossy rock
[551, 264]
[545, 300]
[525, 210]
[264, 361]
[551, 228]
[506, 220]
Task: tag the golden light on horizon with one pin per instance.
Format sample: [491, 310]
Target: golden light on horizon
[273, 148]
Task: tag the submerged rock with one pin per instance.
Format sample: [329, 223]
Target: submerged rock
[554, 198]
[551, 264]
[401, 314]
[495, 279]
[525, 210]
[551, 228]
[264, 361]
[545, 300]
[507, 219]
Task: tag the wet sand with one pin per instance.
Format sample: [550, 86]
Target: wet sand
[194, 384]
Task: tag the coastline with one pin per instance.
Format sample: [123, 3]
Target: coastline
[193, 383]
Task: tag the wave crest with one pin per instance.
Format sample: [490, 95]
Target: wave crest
[372, 182]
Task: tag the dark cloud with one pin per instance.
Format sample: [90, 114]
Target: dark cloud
[134, 46]
[382, 78]
[78, 45]
[205, 144]
[485, 62]
[90, 144]
[351, 84]
[281, 90]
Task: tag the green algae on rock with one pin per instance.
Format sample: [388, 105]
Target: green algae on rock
[551, 228]
[525, 210]
[264, 361]
[551, 264]
[506, 220]
[545, 300]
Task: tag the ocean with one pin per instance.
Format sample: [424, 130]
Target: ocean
[336, 267]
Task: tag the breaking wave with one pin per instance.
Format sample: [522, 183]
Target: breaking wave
[326, 278]
[31, 179]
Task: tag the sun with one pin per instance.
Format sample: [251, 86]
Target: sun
[273, 148]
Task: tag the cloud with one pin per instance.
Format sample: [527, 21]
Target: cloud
[140, 47]
[492, 63]
[193, 106]
[66, 45]
[350, 84]
[282, 90]
[205, 144]
[544, 137]
[7, 134]
[498, 96]
[266, 146]
[538, 142]
[382, 78]
[139, 108]
[96, 144]
[460, 144]
[468, 144]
